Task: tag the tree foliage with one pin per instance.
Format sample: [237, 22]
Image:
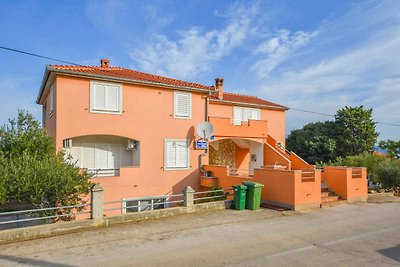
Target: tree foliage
[314, 142]
[30, 170]
[356, 131]
[353, 132]
[392, 147]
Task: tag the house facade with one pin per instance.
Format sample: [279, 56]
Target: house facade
[136, 132]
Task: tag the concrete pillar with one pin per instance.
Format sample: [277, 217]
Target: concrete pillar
[97, 202]
[188, 196]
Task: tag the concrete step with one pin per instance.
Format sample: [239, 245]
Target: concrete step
[327, 193]
[333, 203]
[329, 199]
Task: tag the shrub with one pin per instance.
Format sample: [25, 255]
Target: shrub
[372, 162]
[389, 173]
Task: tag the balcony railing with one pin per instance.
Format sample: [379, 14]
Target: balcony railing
[225, 127]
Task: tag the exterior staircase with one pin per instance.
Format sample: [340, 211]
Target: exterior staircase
[329, 198]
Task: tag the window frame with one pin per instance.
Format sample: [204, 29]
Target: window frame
[243, 109]
[97, 171]
[152, 198]
[166, 167]
[105, 110]
[51, 100]
[175, 102]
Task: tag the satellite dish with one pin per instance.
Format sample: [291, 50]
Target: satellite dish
[205, 129]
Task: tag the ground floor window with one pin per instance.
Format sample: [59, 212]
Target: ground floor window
[101, 159]
[143, 204]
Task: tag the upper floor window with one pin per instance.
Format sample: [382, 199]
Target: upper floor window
[51, 100]
[176, 154]
[105, 97]
[241, 114]
[182, 105]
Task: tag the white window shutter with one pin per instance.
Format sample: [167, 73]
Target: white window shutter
[102, 156]
[255, 114]
[114, 156]
[237, 115]
[171, 154]
[88, 156]
[181, 154]
[112, 93]
[177, 154]
[99, 97]
[182, 104]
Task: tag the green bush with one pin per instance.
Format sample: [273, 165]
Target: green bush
[372, 162]
[381, 170]
[389, 173]
[31, 171]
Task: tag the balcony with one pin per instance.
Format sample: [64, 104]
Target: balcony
[223, 127]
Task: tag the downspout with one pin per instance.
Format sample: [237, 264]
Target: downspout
[205, 153]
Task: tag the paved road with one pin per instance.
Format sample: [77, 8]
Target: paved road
[346, 235]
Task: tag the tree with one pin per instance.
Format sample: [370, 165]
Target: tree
[356, 131]
[32, 172]
[314, 142]
[392, 147]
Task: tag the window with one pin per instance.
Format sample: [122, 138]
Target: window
[105, 97]
[101, 159]
[176, 154]
[44, 114]
[137, 205]
[182, 105]
[51, 100]
[241, 114]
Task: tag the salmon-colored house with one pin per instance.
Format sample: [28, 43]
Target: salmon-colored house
[136, 133]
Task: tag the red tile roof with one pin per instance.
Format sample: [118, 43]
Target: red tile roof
[246, 99]
[122, 73]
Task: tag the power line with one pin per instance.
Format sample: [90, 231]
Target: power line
[331, 115]
[36, 55]
[75, 64]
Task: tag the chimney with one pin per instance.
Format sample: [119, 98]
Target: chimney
[219, 85]
[104, 63]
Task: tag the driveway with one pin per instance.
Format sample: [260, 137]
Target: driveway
[347, 235]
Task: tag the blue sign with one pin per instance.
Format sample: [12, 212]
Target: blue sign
[201, 144]
[212, 137]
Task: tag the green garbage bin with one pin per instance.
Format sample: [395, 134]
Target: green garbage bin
[253, 199]
[239, 196]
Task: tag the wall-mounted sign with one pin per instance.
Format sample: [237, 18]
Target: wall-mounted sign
[201, 144]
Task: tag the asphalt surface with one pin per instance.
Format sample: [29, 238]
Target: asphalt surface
[347, 235]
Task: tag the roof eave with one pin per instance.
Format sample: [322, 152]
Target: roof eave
[43, 84]
[134, 81]
[249, 104]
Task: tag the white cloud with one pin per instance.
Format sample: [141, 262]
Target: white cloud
[363, 73]
[195, 51]
[278, 48]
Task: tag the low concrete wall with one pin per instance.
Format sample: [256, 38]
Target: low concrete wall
[40, 231]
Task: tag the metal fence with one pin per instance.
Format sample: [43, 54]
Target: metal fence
[97, 208]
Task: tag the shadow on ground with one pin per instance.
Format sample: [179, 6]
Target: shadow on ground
[392, 252]
[32, 262]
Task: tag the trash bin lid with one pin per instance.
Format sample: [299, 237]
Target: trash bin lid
[239, 186]
[252, 184]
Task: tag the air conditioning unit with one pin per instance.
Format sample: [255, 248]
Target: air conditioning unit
[131, 145]
[67, 143]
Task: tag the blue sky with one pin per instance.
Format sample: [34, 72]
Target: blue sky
[314, 55]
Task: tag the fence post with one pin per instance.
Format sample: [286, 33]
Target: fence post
[97, 202]
[188, 196]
